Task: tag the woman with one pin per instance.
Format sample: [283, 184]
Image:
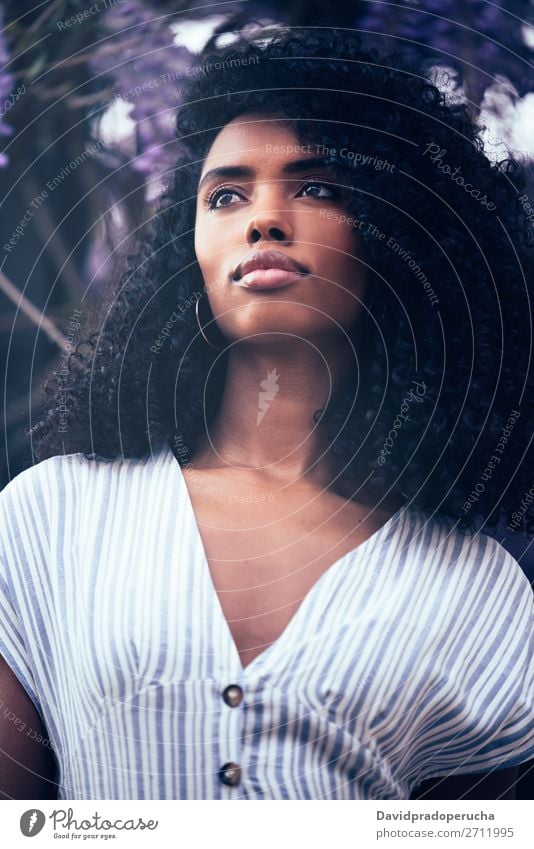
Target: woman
[248, 564]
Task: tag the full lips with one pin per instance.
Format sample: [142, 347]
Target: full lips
[269, 278]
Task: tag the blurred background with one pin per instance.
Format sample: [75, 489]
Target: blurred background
[88, 95]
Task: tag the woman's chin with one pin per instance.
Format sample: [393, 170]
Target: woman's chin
[292, 323]
[280, 337]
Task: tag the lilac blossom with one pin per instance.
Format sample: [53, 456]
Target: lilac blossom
[6, 86]
[146, 69]
[479, 39]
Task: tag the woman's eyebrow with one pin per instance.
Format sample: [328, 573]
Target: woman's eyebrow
[235, 172]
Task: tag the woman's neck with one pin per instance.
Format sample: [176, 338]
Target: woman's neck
[265, 421]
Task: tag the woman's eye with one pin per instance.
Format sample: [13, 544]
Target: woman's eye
[324, 187]
[222, 197]
[223, 194]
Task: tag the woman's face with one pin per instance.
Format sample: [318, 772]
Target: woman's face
[274, 194]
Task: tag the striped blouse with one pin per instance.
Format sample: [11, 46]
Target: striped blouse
[410, 658]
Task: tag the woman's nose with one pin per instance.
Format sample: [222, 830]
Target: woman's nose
[270, 225]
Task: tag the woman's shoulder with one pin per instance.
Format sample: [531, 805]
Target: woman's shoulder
[73, 481]
[36, 481]
[468, 555]
[39, 483]
[68, 465]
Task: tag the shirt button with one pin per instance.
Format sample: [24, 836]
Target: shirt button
[230, 774]
[233, 695]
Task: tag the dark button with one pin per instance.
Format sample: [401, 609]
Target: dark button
[230, 774]
[233, 695]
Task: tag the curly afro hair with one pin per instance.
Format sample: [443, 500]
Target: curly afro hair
[438, 411]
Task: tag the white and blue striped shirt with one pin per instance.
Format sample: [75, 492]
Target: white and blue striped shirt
[411, 657]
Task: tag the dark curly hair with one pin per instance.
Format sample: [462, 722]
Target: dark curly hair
[446, 332]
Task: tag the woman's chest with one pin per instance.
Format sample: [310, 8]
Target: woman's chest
[164, 608]
[181, 588]
[265, 557]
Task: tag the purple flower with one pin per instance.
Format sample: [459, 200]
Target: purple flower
[6, 86]
[479, 39]
[146, 68]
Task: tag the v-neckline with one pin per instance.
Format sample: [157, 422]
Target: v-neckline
[334, 567]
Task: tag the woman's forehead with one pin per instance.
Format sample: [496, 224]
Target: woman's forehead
[252, 128]
[254, 140]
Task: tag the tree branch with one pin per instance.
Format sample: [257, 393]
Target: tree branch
[33, 312]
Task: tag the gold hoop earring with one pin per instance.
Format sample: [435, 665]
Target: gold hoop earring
[215, 347]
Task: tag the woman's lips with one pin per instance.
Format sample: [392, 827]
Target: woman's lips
[268, 278]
